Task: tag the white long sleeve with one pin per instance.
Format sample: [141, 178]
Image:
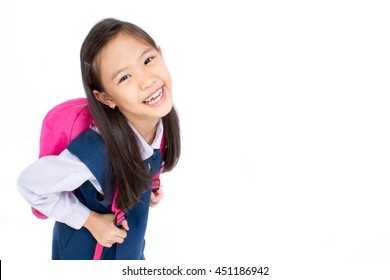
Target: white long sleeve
[47, 185]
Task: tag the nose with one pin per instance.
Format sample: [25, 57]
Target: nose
[146, 79]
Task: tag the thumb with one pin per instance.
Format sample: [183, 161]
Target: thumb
[124, 224]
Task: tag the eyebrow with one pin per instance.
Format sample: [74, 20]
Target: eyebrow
[125, 67]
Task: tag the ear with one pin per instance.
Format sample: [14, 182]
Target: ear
[104, 98]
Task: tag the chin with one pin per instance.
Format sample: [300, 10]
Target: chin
[166, 108]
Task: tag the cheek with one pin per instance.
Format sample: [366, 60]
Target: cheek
[163, 71]
[127, 96]
[169, 101]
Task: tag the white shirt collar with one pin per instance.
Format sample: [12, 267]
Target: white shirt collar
[146, 149]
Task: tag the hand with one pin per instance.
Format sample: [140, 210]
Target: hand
[155, 197]
[104, 230]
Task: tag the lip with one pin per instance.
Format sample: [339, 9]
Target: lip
[150, 95]
[162, 98]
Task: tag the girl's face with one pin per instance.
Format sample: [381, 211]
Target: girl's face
[135, 79]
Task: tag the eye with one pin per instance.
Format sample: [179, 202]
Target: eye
[124, 78]
[148, 60]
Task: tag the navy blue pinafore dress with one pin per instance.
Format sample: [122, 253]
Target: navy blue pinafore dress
[72, 244]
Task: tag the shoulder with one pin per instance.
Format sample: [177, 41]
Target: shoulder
[90, 149]
[89, 139]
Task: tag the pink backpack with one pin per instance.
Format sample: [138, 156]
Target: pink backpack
[60, 126]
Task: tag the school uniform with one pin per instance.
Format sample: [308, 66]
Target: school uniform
[68, 186]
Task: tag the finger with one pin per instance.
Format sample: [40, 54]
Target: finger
[119, 240]
[153, 203]
[112, 241]
[107, 244]
[160, 194]
[125, 225]
[120, 233]
[153, 197]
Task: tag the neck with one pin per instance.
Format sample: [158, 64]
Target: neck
[147, 130]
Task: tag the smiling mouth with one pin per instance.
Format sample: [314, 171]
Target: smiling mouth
[154, 98]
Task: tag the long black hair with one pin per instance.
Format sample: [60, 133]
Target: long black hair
[126, 168]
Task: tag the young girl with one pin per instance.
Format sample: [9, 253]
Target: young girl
[128, 88]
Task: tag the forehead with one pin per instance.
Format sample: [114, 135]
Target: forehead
[123, 48]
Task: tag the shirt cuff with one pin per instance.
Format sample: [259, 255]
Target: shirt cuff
[79, 218]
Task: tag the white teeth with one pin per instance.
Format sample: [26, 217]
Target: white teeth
[154, 98]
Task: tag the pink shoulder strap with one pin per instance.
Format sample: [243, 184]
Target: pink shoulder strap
[156, 178]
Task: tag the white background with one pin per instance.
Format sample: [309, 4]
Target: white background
[284, 108]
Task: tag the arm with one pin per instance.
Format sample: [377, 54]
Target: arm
[47, 184]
